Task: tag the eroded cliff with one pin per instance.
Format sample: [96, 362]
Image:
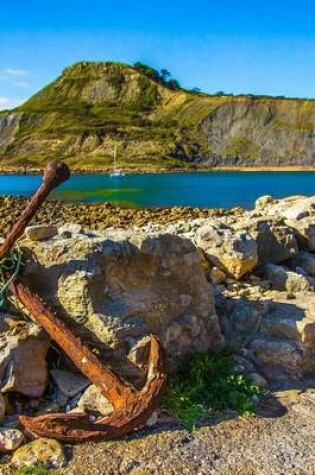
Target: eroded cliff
[91, 106]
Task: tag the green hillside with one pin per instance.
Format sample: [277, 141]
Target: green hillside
[155, 123]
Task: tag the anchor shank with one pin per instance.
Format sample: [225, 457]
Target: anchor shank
[112, 387]
[54, 174]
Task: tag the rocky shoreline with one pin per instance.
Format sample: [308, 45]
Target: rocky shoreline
[97, 216]
[180, 168]
[198, 278]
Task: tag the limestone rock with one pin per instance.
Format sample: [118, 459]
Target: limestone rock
[93, 400]
[305, 232]
[306, 261]
[279, 332]
[298, 212]
[40, 232]
[306, 329]
[217, 277]
[44, 452]
[70, 229]
[234, 253]
[300, 209]
[293, 207]
[279, 353]
[261, 202]
[282, 279]
[129, 285]
[276, 241]
[10, 439]
[69, 383]
[22, 360]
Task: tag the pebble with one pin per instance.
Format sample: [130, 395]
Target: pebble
[93, 400]
[40, 232]
[69, 383]
[10, 439]
[44, 452]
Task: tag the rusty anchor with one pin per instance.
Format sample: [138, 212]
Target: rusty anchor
[131, 407]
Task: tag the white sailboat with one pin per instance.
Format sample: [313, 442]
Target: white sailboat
[116, 173]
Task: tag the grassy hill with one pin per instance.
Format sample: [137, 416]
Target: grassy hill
[155, 124]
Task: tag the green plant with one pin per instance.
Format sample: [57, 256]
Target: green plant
[204, 382]
[39, 470]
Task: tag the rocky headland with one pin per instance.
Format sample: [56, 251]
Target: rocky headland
[199, 279]
[156, 125]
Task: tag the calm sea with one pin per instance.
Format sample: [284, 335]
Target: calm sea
[213, 189]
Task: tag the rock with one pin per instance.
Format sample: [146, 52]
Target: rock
[279, 353]
[61, 399]
[69, 383]
[153, 419]
[234, 253]
[2, 407]
[93, 400]
[275, 240]
[258, 380]
[41, 452]
[23, 366]
[10, 439]
[261, 202]
[139, 351]
[129, 285]
[306, 329]
[40, 232]
[70, 229]
[302, 208]
[304, 231]
[292, 207]
[217, 277]
[282, 279]
[306, 261]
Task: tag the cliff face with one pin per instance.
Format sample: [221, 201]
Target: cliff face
[91, 106]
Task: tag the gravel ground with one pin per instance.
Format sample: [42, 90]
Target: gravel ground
[279, 442]
[97, 216]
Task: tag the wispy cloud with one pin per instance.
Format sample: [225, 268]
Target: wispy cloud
[16, 72]
[23, 84]
[9, 103]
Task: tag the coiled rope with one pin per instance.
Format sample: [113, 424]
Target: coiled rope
[10, 265]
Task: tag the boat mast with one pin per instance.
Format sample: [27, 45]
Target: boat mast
[115, 156]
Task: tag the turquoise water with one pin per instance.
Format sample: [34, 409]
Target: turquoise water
[213, 189]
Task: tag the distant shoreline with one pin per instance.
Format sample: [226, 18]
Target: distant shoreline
[39, 171]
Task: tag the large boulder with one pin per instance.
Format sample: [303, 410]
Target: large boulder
[305, 261]
[283, 279]
[275, 240]
[293, 207]
[298, 212]
[304, 230]
[233, 252]
[301, 208]
[122, 287]
[23, 349]
[279, 334]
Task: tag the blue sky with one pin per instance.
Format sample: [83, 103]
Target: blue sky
[235, 46]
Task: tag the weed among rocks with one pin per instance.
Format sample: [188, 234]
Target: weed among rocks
[205, 382]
